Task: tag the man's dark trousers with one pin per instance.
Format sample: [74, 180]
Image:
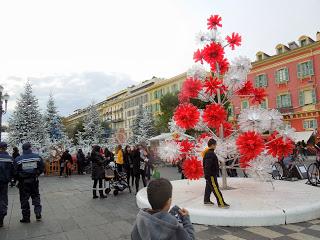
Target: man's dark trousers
[29, 188]
[213, 186]
[3, 199]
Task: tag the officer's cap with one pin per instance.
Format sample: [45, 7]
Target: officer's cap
[26, 146]
[3, 145]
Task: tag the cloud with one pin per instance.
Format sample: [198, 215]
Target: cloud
[71, 91]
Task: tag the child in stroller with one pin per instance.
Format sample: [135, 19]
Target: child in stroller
[115, 180]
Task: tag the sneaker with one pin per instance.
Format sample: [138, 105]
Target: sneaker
[25, 220]
[38, 217]
[208, 203]
[225, 206]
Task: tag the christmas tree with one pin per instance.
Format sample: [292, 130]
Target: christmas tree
[93, 132]
[26, 123]
[242, 143]
[143, 128]
[53, 122]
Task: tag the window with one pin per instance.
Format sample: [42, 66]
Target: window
[259, 57]
[230, 111]
[310, 124]
[284, 100]
[305, 69]
[244, 104]
[282, 75]
[307, 97]
[303, 42]
[264, 104]
[279, 50]
[174, 88]
[261, 80]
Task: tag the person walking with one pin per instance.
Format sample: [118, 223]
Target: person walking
[81, 158]
[211, 171]
[6, 173]
[65, 161]
[98, 173]
[15, 154]
[128, 164]
[109, 156]
[119, 160]
[138, 168]
[28, 168]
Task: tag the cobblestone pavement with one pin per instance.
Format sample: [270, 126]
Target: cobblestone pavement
[70, 213]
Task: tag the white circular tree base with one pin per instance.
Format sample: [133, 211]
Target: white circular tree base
[253, 203]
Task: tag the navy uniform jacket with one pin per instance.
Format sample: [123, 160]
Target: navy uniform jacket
[28, 165]
[210, 164]
[6, 167]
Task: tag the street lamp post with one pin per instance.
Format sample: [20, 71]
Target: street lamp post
[5, 98]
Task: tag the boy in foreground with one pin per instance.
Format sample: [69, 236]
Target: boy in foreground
[158, 223]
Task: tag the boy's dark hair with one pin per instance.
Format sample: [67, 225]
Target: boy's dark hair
[212, 142]
[159, 191]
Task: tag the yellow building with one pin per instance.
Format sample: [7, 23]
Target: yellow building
[120, 109]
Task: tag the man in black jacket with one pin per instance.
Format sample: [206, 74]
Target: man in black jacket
[211, 171]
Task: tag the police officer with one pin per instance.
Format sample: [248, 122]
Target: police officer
[27, 168]
[6, 170]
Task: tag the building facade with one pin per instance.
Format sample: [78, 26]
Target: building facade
[121, 108]
[291, 78]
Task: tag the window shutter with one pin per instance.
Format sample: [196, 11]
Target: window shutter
[299, 70]
[305, 124]
[301, 98]
[287, 74]
[310, 67]
[277, 76]
[314, 98]
[256, 81]
[278, 101]
[265, 80]
[289, 100]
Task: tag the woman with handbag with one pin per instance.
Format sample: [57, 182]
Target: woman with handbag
[98, 172]
[139, 166]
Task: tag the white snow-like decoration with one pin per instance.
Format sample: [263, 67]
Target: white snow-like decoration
[236, 77]
[205, 97]
[276, 119]
[226, 149]
[260, 168]
[287, 132]
[197, 71]
[201, 38]
[174, 128]
[169, 151]
[201, 126]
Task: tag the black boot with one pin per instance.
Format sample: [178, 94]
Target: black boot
[1, 221]
[25, 220]
[94, 192]
[101, 194]
[38, 217]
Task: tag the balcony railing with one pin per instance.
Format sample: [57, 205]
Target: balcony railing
[285, 110]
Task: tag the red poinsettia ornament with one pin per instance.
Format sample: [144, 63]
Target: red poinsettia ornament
[246, 90]
[214, 115]
[250, 144]
[278, 146]
[259, 94]
[186, 146]
[192, 168]
[186, 116]
[191, 88]
[214, 22]
[234, 40]
[198, 56]
[213, 53]
[211, 85]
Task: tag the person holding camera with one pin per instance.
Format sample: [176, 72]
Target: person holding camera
[159, 222]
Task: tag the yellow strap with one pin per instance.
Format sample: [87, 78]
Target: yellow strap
[215, 188]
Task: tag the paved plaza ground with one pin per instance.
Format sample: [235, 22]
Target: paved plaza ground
[70, 213]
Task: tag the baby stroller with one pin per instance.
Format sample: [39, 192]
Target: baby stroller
[115, 180]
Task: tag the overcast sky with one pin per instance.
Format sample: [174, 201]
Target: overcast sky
[86, 50]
